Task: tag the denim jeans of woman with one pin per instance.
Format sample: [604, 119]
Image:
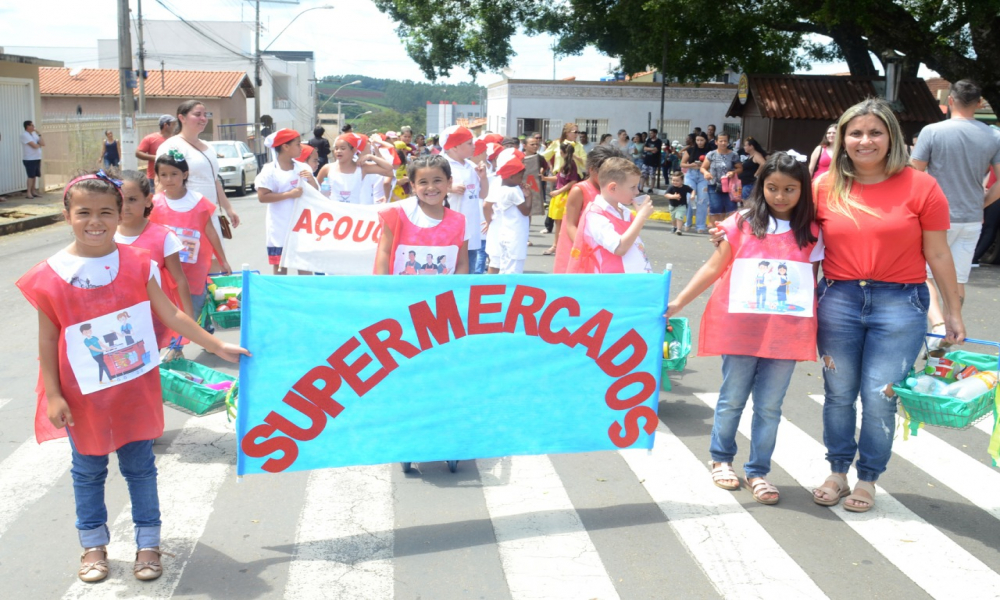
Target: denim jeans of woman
[768, 379]
[136, 463]
[698, 211]
[870, 333]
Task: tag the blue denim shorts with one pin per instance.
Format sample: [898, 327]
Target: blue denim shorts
[720, 203]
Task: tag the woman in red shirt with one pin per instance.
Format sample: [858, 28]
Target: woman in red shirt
[881, 221]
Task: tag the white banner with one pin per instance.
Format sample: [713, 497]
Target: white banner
[332, 237]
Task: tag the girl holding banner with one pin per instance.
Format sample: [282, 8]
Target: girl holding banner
[355, 175]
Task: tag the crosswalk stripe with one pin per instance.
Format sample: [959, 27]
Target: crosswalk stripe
[344, 537]
[973, 480]
[4, 401]
[190, 473]
[544, 549]
[738, 555]
[27, 474]
[986, 425]
[922, 552]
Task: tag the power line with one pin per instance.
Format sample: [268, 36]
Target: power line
[204, 34]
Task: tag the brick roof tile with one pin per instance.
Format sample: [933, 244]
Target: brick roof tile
[54, 81]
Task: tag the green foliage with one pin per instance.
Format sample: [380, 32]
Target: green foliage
[401, 96]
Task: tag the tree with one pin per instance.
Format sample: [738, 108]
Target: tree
[960, 39]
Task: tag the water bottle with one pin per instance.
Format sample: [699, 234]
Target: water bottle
[925, 384]
[324, 188]
[675, 349]
[973, 387]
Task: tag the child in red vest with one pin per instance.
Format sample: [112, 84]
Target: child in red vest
[80, 294]
[164, 248]
[607, 240]
[421, 225]
[187, 214]
[762, 316]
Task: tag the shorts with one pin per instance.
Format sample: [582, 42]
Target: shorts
[33, 167]
[504, 260]
[720, 203]
[273, 255]
[648, 171]
[962, 240]
[678, 214]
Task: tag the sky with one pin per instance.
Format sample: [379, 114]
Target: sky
[353, 37]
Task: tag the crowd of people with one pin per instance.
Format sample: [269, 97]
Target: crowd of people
[873, 219]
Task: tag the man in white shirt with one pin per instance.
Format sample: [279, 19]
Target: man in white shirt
[32, 142]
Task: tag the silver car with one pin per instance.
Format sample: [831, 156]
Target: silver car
[237, 165]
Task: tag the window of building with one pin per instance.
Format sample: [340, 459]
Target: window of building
[594, 128]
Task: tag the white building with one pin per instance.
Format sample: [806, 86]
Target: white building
[520, 106]
[444, 114]
[287, 89]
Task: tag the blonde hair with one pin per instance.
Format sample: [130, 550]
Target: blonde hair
[842, 174]
[565, 131]
[617, 170]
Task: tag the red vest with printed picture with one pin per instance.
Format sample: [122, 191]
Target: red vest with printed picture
[564, 245]
[587, 256]
[764, 305]
[191, 228]
[152, 239]
[108, 359]
[423, 250]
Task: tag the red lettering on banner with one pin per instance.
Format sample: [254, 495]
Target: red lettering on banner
[545, 332]
[631, 428]
[527, 311]
[305, 222]
[317, 419]
[477, 308]
[380, 347]
[600, 324]
[427, 324]
[646, 380]
[632, 340]
[357, 228]
[321, 396]
[253, 449]
[349, 372]
[321, 220]
[339, 232]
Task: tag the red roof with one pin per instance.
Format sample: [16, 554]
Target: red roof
[54, 81]
[826, 97]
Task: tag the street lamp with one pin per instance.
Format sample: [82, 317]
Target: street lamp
[356, 82]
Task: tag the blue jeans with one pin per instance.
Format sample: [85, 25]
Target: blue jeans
[746, 191]
[136, 462]
[768, 379]
[870, 332]
[477, 259]
[720, 203]
[698, 214]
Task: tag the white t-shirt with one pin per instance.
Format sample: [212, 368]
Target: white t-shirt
[411, 208]
[469, 204]
[203, 166]
[186, 202]
[603, 233]
[509, 228]
[778, 226]
[277, 222]
[171, 243]
[29, 152]
[89, 273]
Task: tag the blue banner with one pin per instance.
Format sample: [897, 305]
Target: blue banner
[370, 370]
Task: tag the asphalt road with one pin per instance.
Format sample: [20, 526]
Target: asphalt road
[600, 525]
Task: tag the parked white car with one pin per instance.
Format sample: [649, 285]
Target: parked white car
[237, 165]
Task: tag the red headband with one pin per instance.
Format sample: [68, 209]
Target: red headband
[101, 175]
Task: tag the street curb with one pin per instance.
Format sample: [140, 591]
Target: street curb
[30, 223]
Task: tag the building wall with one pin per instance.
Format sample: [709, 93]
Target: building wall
[630, 106]
[15, 70]
[299, 113]
[18, 70]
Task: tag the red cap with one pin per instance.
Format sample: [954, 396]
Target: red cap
[354, 140]
[306, 151]
[509, 163]
[480, 147]
[284, 136]
[455, 136]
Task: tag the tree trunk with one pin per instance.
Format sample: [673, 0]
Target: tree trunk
[855, 50]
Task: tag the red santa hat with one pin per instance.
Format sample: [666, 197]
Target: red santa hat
[509, 163]
[455, 136]
[355, 140]
[284, 136]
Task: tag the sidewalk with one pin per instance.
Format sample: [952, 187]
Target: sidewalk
[18, 213]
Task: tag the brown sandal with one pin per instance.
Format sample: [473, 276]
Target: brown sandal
[92, 572]
[148, 570]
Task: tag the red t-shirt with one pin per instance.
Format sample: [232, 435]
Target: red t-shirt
[888, 247]
[150, 144]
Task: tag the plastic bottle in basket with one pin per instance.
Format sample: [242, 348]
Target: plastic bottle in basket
[925, 384]
[973, 387]
[675, 349]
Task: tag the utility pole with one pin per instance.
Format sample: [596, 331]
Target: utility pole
[126, 98]
[142, 66]
[256, 83]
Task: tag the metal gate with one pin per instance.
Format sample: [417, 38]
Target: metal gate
[16, 107]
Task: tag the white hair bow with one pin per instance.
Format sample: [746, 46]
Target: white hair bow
[797, 156]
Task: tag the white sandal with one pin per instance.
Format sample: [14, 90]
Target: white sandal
[760, 487]
[724, 472]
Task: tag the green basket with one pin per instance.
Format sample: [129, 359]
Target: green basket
[194, 397]
[945, 411]
[227, 319]
[681, 333]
